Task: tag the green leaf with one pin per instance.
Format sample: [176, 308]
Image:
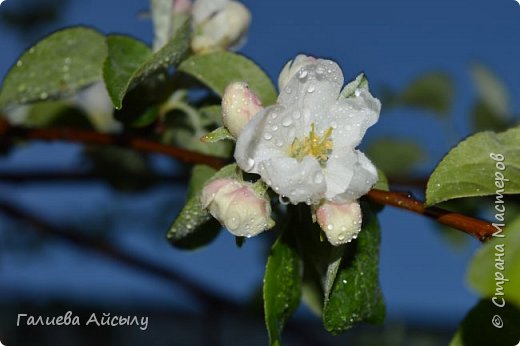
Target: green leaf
[498, 257]
[477, 328]
[194, 226]
[231, 67]
[282, 286]
[396, 156]
[361, 82]
[468, 170]
[218, 134]
[491, 89]
[125, 56]
[382, 181]
[355, 295]
[119, 68]
[55, 67]
[432, 91]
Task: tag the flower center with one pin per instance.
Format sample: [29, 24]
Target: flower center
[312, 145]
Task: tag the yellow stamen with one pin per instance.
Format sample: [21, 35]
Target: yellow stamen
[313, 145]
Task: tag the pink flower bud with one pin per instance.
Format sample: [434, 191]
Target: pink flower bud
[341, 222]
[237, 206]
[239, 105]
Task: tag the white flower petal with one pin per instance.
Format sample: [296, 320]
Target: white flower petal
[353, 116]
[300, 181]
[313, 89]
[257, 143]
[339, 172]
[363, 178]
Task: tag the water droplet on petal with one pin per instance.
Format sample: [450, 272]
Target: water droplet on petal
[278, 142]
[330, 227]
[303, 74]
[297, 115]
[267, 136]
[311, 89]
[250, 164]
[287, 121]
[19, 63]
[357, 92]
[318, 178]
[341, 236]
[275, 128]
[284, 199]
[233, 222]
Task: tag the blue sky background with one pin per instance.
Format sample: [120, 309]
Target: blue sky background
[391, 41]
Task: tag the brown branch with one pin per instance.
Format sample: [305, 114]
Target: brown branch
[482, 230]
[8, 131]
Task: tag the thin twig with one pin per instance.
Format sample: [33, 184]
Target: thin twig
[96, 138]
[482, 230]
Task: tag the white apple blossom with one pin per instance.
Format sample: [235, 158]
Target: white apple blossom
[237, 206]
[341, 222]
[304, 146]
[219, 24]
[239, 105]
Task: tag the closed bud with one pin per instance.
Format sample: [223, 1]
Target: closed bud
[341, 222]
[293, 67]
[239, 105]
[237, 206]
[219, 24]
